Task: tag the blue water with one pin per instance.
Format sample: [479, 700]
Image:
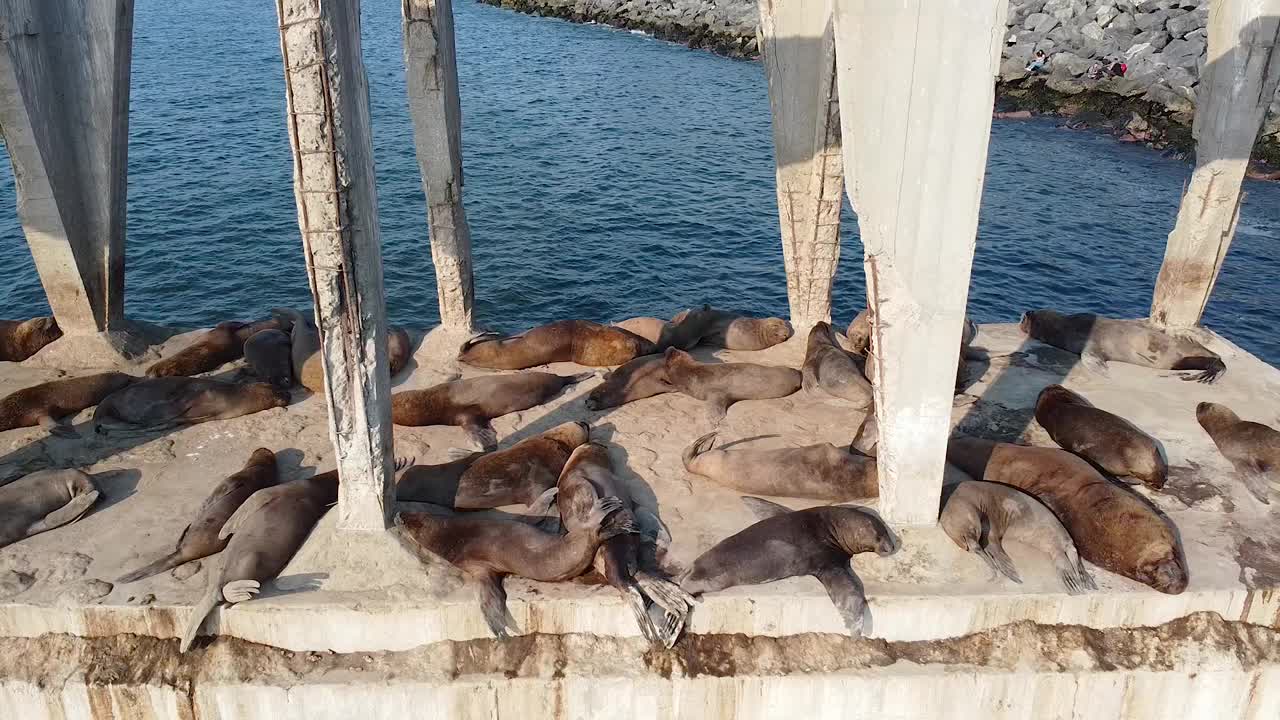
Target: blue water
[607, 175]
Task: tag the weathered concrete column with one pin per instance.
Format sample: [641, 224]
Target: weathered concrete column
[431, 74]
[64, 114]
[917, 87]
[333, 181]
[799, 59]
[1237, 85]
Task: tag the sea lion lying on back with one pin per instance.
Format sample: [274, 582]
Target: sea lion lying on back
[829, 368]
[641, 378]
[580, 341]
[1253, 449]
[164, 402]
[816, 472]
[1108, 441]
[722, 384]
[1097, 339]
[48, 404]
[738, 332]
[42, 501]
[20, 339]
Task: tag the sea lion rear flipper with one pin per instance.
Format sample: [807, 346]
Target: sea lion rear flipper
[669, 625]
[1076, 579]
[1094, 363]
[493, 604]
[172, 560]
[247, 508]
[198, 614]
[993, 552]
[845, 590]
[454, 454]
[238, 591]
[69, 513]
[635, 601]
[764, 509]
[540, 508]
[669, 595]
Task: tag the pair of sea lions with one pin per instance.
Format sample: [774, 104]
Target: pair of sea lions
[828, 367]
[42, 501]
[165, 402]
[579, 341]
[20, 339]
[708, 326]
[1253, 449]
[50, 404]
[722, 384]
[224, 343]
[1098, 339]
[817, 472]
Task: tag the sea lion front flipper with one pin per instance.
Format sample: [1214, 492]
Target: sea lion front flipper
[69, 513]
[669, 625]
[1257, 485]
[993, 552]
[1094, 363]
[247, 508]
[482, 434]
[808, 378]
[493, 604]
[764, 509]
[868, 438]
[238, 591]
[540, 511]
[669, 595]
[845, 590]
[717, 407]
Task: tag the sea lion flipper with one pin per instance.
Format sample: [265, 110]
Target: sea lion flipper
[764, 509]
[867, 440]
[541, 506]
[1094, 363]
[482, 434]
[669, 595]
[198, 614]
[651, 526]
[993, 552]
[717, 407]
[172, 560]
[493, 604]
[845, 590]
[1076, 579]
[69, 513]
[669, 625]
[247, 508]
[636, 601]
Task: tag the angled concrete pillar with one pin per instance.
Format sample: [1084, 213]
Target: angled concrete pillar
[64, 114]
[799, 57]
[917, 86]
[333, 182]
[1237, 85]
[431, 74]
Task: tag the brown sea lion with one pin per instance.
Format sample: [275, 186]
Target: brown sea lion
[43, 500]
[641, 378]
[859, 333]
[165, 402]
[1253, 449]
[200, 537]
[210, 351]
[1111, 526]
[1097, 339]
[978, 516]
[473, 402]
[48, 404]
[722, 384]
[399, 351]
[282, 321]
[20, 339]
[816, 472]
[487, 550]
[1106, 440]
[266, 531]
[304, 348]
[580, 341]
[829, 368]
[269, 355]
[435, 484]
[649, 328]
[819, 541]
[738, 332]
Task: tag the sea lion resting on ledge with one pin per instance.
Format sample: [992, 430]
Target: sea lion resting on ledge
[733, 331]
[1097, 339]
[43, 501]
[641, 378]
[1252, 448]
[47, 404]
[311, 376]
[20, 339]
[722, 384]
[580, 341]
[829, 368]
[816, 472]
[164, 402]
[859, 337]
[1104, 439]
[222, 344]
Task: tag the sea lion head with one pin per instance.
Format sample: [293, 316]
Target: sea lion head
[1210, 414]
[968, 332]
[1162, 568]
[860, 530]
[1058, 395]
[774, 330]
[573, 434]
[279, 397]
[1035, 320]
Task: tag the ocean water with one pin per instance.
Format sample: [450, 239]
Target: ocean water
[607, 175]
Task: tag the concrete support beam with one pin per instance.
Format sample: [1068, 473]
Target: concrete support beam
[916, 88]
[64, 114]
[432, 78]
[799, 60]
[333, 180]
[1237, 85]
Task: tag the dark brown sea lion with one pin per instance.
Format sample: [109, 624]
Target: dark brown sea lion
[641, 378]
[42, 501]
[819, 541]
[1097, 339]
[722, 384]
[20, 339]
[266, 531]
[487, 550]
[473, 402]
[688, 330]
[1106, 440]
[829, 368]
[816, 472]
[399, 350]
[164, 402]
[48, 404]
[649, 328]
[282, 321]
[1111, 526]
[580, 341]
[269, 355]
[200, 537]
[979, 516]
[1253, 449]
[435, 484]
[210, 351]
[738, 332]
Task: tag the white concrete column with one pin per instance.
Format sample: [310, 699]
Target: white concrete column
[1237, 85]
[64, 114]
[916, 88]
[431, 74]
[333, 181]
[799, 57]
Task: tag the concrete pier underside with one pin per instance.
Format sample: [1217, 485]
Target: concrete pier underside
[357, 625]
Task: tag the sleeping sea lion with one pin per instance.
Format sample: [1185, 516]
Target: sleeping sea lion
[686, 332]
[1111, 526]
[641, 378]
[165, 402]
[1253, 449]
[210, 351]
[1097, 339]
[816, 472]
[649, 328]
[580, 341]
[722, 384]
[819, 541]
[1106, 440]
[738, 332]
[20, 339]
[200, 537]
[49, 404]
[269, 355]
[399, 350]
[829, 368]
[859, 333]
[43, 500]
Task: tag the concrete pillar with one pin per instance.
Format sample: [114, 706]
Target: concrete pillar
[64, 114]
[916, 87]
[1237, 85]
[799, 60]
[333, 181]
[432, 78]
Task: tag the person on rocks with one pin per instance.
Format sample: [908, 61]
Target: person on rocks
[1037, 62]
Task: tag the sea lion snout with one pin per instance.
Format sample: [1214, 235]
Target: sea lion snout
[1168, 576]
[1025, 323]
[280, 396]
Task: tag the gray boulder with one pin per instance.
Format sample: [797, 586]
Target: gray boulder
[1181, 25]
[1157, 39]
[1123, 21]
[1070, 64]
[1092, 31]
[1040, 23]
[1151, 20]
[1183, 53]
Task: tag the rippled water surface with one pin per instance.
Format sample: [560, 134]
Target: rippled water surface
[607, 175]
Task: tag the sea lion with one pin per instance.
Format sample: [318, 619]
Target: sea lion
[859, 333]
[686, 332]
[1253, 449]
[649, 328]
[738, 332]
[473, 402]
[641, 378]
[49, 404]
[722, 384]
[43, 500]
[818, 541]
[399, 350]
[580, 341]
[817, 472]
[1106, 440]
[487, 550]
[20, 339]
[304, 347]
[1097, 339]
[860, 344]
[829, 368]
[978, 516]
[1111, 526]
[200, 538]
[279, 320]
[269, 355]
[165, 402]
[435, 484]
[210, 351]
